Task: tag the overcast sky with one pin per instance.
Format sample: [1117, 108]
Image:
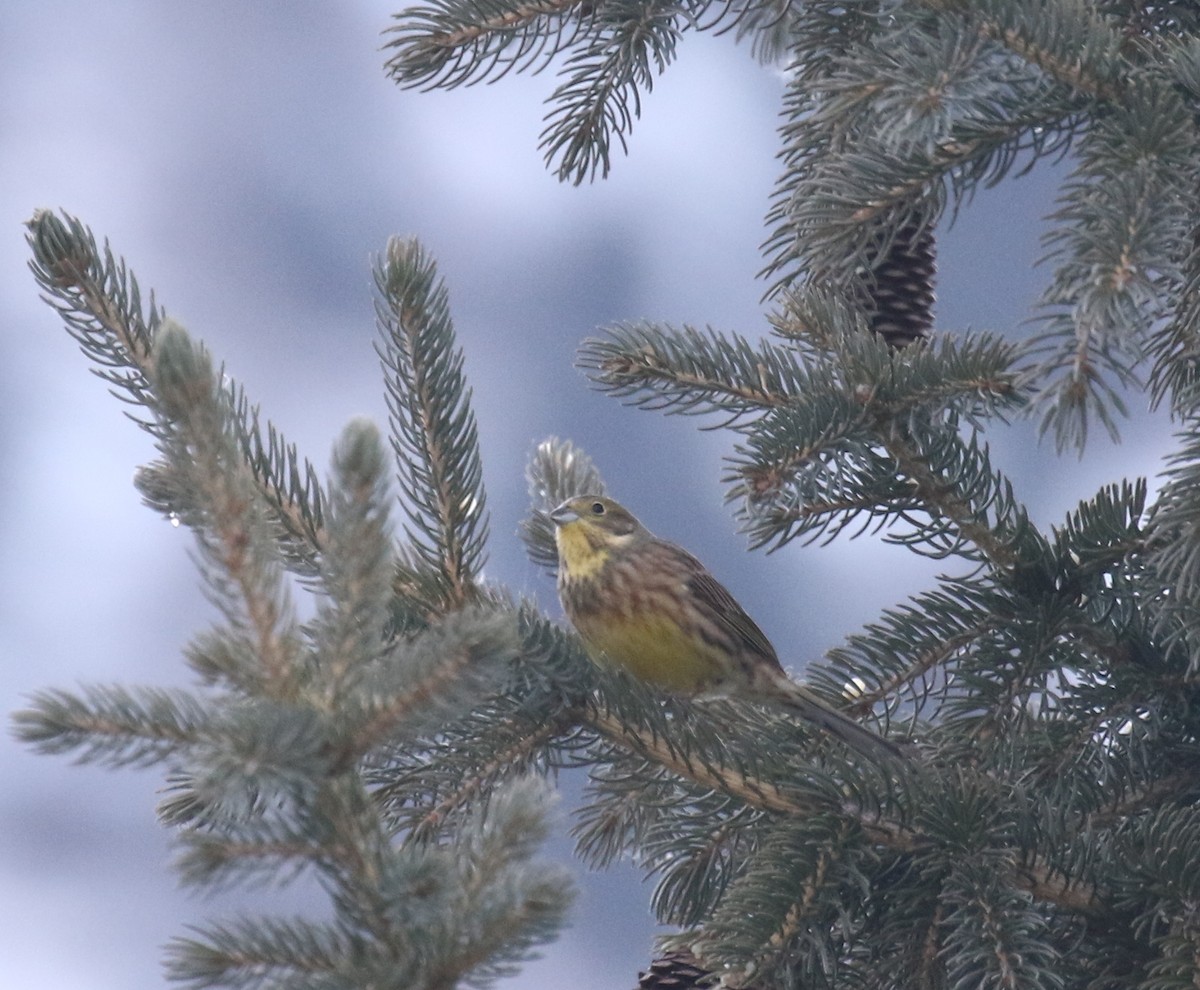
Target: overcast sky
[249, 161]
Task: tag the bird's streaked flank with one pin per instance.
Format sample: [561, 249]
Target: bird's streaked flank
[652, 608]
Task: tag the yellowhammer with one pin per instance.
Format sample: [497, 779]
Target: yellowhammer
[652, 608]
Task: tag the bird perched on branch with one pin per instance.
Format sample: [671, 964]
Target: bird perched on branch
[650, 607]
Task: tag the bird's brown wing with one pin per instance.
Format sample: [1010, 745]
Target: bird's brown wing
[770, 682]
[714, 598]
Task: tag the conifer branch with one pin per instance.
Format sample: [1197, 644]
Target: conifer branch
[689, 371]
[115, 725]
[417, 683]
[433, 428]
[239, 953]
[384, 719]
[523, 748]
[196, 435]
[357, 566]
[1069, 42]
[558, 470]
[217, 861]
[448, 44]
[940, 495]
[599, 99]
[100, 303]
[1151, 796]
[98, 300]
[265, 774]
[920, 666]
[1116, 270]
[729, 780]
[1036, 876]
[1050, 886]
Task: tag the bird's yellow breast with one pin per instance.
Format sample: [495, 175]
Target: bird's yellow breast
[654, 649]
[635, 628]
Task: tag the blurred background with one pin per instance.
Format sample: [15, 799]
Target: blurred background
[249, 161]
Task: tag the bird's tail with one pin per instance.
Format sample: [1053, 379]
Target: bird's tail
[800, 700]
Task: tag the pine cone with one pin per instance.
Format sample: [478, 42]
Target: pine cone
[677, 971]
[674, 971]
[900, 294]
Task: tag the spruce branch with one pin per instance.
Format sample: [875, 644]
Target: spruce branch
[815, 320]
[99, 302]
[729, 780]
[615, 51]
[254, 953]
[526, 744]
[357, 565]
[530, 726]
[1173, 545]
[256, 755]
[510, 905]
[908, 653]
[690, 371]
[425, 682]
[976, 375]
[101, 306]
[1070, 42]
[452, 44]
[1174, 376]
[434, 436]
[939, 489]
[269, 852]
[994, 935]
[265, 774]
[242, 569]
[790, 909]
[1172, 788]
[888, 121]
[557, 471]
[599, 99]
[870, 467]
[1120, 245]
[112, 724]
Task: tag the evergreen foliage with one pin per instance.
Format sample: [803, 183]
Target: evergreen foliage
[273, 762]
[1047, 835]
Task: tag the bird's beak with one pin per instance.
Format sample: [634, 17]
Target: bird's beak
[564, 514]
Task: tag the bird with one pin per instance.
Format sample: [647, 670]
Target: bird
[646, 605]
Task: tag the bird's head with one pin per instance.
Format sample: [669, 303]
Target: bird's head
[589, 527]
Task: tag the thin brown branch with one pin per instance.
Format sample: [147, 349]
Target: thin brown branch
[800, 913]
[938, 493]
[427, 405]
[928, 975]
[1038, 878]
[755, 793]
[416, 697]
[515, 755]
[1050, 886]
[75, 271]
[503, 23]
[645, 367]
[1150, 795]
[922, 664]
[1070, 71]
[262, 609]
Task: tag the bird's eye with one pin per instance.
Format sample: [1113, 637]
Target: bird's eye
[597, 508]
